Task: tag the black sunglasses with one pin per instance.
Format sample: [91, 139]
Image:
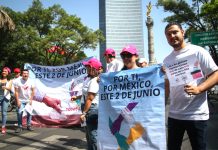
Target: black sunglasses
[126, 55]
[109, 55]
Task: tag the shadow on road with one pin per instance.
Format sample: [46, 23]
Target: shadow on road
[78, 143]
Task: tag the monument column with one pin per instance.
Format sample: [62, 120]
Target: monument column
[149, 24]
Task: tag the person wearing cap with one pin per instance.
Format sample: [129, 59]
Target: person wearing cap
[5, 87]
[142, 62]
[17, 72]
[86, 79]
[91, 97]
[129, 56]
[113, 64]
[17, 76]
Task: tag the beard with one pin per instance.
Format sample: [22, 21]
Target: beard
[177, 43]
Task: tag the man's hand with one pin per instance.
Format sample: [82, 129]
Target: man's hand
[192, 89]
[30, 102]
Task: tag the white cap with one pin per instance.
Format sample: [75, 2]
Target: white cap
[141, 60]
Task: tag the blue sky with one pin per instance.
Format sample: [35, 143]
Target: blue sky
[87, 10]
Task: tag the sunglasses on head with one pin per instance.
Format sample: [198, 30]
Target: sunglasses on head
[126, 55]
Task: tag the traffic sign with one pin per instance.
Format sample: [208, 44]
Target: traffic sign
[204, 38]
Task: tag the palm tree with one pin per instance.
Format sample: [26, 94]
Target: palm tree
[5, 21]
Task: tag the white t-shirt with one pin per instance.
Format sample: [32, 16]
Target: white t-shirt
[92, 86]
[182, 106]
[24, 89]
[5, 93]
[115, 65]
[14, 83]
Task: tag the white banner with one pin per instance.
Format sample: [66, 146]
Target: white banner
[52, 105]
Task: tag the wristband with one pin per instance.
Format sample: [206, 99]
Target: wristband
[84, 113]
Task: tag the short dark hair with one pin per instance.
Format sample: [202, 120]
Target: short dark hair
[173, 23]
[25, 70]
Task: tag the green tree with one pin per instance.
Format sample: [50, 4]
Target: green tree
[7, 25]
[47, 36]
[196, 15]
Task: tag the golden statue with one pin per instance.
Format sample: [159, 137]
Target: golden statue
[149, 6]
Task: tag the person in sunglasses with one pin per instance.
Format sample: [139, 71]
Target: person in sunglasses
[129, 56]
[113, 64]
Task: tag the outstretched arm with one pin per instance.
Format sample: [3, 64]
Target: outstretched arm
[17, 97]
[32, 94]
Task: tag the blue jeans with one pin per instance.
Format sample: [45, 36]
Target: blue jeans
[91, 127]
[20, 114]
[195, 129]
[4, 107]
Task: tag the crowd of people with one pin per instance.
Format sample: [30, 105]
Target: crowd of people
[185, 114]
[22, 88]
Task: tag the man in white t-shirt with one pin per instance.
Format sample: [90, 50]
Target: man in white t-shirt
[188, 101]
[24, 92]
[17, 76]
[113, 64]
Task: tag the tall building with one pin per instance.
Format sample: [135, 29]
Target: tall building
[122, 23]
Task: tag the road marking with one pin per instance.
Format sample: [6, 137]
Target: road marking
[17, 138]
[46, 142]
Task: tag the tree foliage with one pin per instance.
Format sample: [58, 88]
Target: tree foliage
[46, 36]
[196, 15]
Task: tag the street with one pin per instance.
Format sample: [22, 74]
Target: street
[42, 138]
[74, 137]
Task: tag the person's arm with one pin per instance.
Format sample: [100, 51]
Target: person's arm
[32, 94]
[204, 86]
[17, 97]
[167, 84]
[88, 103]
[167, 90]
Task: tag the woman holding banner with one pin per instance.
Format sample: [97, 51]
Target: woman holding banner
[91, 97]
[5, 88]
